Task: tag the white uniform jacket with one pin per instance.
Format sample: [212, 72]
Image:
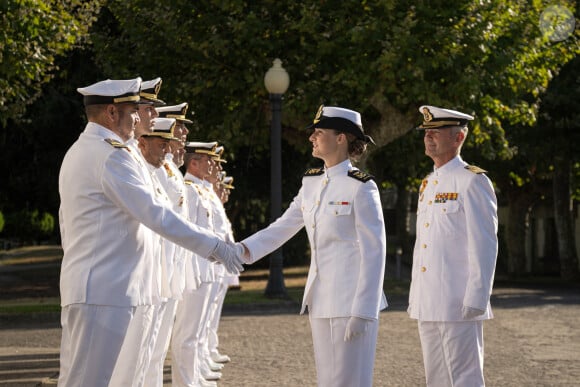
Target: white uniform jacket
[220, 226]
[456, 246]
[200, 213]
[161, 273]
[172, 181]
[341, 210]
[106, 215]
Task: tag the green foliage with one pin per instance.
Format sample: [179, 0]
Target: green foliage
[382, 57]
[1, 221]
[29, 225]
[32, 34]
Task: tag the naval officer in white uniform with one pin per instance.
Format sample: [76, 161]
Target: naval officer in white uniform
[107, 217]
[455, 255]
[188, 366]
[171, 180]
[340, 208]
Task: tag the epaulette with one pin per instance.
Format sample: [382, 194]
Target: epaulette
[360, 175]
[115, 143]
[314, 172]
[475, 169]
[188, 182]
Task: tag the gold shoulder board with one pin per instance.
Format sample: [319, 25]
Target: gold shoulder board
[189, 182]
[115, 143]
[314, 172]
[360, 175]
[475, 169]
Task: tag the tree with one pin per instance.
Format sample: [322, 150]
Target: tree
[383, 58]
[386, 57]
[560, 123]
[33, 33]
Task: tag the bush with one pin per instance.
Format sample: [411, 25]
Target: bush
[29, 226]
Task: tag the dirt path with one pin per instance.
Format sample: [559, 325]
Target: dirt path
[534, 340]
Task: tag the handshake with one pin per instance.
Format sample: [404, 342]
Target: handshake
[231, 255]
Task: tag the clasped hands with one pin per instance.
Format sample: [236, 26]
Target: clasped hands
[231, 255]
[234, 255]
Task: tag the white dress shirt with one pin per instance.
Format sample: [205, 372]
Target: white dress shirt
[200, 213]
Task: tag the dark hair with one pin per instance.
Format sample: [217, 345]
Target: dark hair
[356, 146]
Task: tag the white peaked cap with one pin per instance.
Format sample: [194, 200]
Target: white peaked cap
[436, 117]
[111, 91]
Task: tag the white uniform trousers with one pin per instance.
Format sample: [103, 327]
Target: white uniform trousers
[452, 353]
[342, 363]
[216, 314]
[106, 346]
[186, 337]
[203, 339]
[166, 316]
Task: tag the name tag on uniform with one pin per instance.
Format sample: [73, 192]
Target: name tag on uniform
[443, 197]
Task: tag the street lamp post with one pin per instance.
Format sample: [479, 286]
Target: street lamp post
[276, 81]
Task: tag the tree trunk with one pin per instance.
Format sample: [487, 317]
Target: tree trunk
[564, 219]
[404, 226]
[518, 221]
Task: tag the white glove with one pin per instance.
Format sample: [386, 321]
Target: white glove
[229, 255]
[355, 327]
[246, 256]
[468, 312]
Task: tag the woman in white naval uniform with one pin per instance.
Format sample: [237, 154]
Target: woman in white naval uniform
[340, 208]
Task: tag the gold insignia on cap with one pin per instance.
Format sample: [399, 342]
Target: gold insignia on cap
[427, 116]
[318, 114]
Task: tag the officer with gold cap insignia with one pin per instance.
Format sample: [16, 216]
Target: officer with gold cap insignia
[175, 159]
[182, 271]
[189, 366]
[179, 112]
[155, 146]
[172, 179]
[455, 254]
[178, 260]
[228, 182]
[149, 100]
[150, 91]
[222, 278]
[109, 215]
[340, 208]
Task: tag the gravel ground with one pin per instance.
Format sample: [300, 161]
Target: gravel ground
[534, 340]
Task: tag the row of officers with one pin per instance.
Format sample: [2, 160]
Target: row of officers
[149, 252]
[146, 247]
